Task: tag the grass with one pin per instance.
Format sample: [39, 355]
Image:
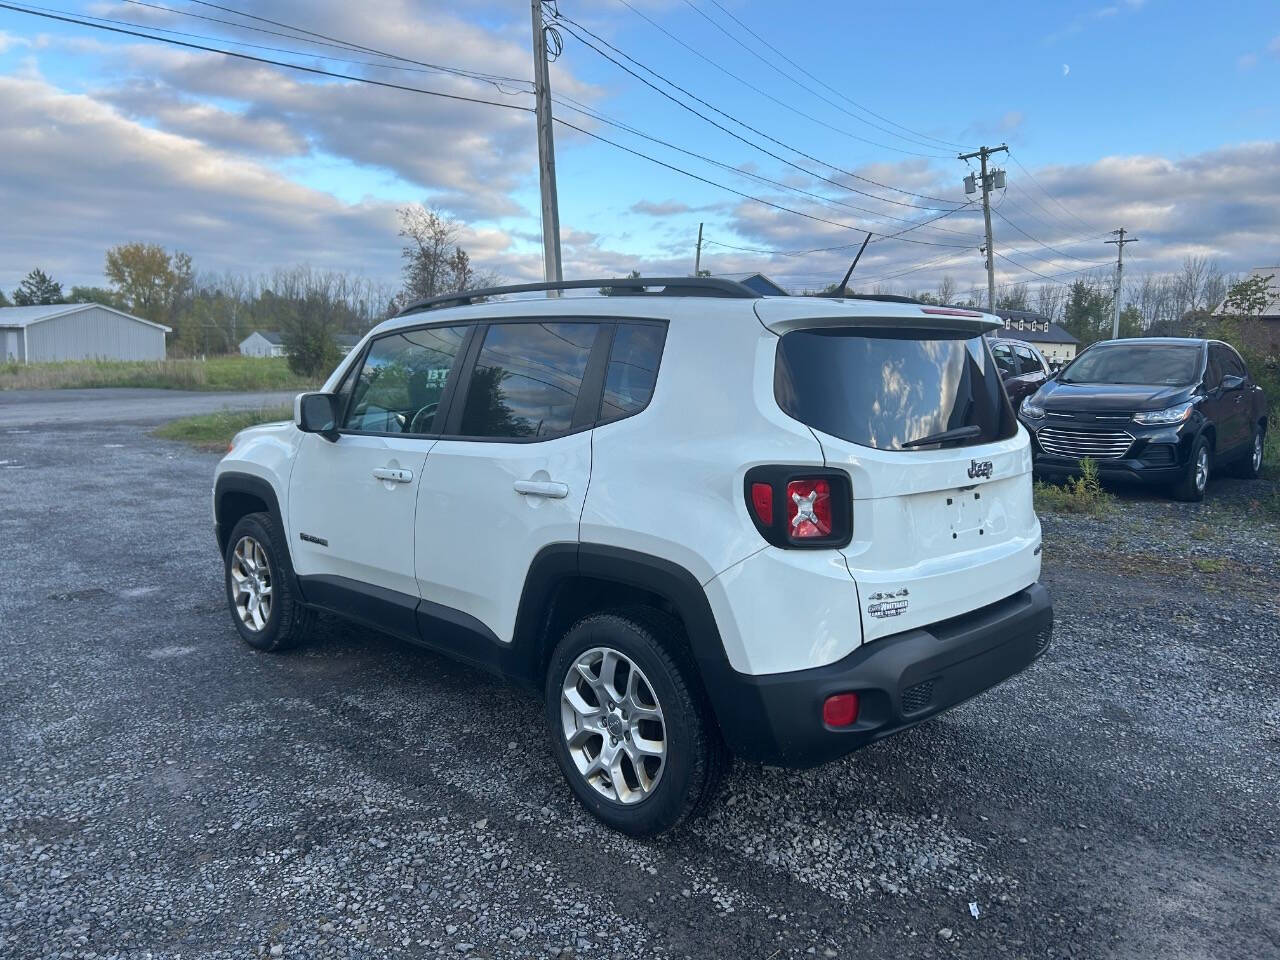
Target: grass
[231, 372]
[1079, 495]
[213, 431]
[1209, 564]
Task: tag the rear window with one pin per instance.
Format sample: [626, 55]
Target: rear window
[883, 388]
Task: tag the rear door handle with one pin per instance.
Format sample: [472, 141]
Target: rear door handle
[394, 474]
[542, 488]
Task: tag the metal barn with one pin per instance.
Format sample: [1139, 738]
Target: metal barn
[77, 331]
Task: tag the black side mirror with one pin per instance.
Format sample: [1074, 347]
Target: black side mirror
[317, 413]
[1232, 382]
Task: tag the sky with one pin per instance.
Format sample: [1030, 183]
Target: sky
[795, 130]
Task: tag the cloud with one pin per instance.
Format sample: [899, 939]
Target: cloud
[1274, 46]
[1247, 61]
[1066, 69]
[9, 42]
[666, 208]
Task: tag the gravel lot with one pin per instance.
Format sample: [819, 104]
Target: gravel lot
[166, 791]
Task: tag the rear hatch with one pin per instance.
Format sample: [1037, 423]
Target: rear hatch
[941, 527]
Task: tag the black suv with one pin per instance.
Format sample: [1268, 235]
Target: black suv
[1158, 410]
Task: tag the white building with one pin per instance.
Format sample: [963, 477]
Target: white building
[262, 344]
[77, 331]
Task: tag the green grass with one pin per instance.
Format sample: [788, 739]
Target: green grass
[231, 372]
[213, 431]
[1081, 495]
[1209, 564]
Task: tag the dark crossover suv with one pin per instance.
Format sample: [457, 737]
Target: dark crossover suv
[1157, 410]
[1022, 368]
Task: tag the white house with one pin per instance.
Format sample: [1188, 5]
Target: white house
[78, 331]
[1057, 346]
[262, 344]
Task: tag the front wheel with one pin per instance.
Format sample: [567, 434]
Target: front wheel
[1195, 481]
[637, 746]
[258, 576]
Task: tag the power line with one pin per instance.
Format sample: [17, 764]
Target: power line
[265, 60]
[827, 100]
[764, 93]
[1060, 253]
[1086, 223]
[564, 21]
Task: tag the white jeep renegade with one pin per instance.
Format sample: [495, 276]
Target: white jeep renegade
[697, 520]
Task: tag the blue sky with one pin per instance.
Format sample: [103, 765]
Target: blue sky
[1151, 114]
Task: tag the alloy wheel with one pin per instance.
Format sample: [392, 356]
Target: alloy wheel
[1202, 469]
[251, 583]
[613, 725]
[1257, 452]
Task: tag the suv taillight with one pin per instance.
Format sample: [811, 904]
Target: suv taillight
[801, 506]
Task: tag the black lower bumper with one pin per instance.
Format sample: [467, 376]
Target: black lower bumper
[900, 681]
[1131, 470]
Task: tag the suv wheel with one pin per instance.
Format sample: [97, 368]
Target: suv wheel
[1250, 466]
[636, 745]
[1193, 485]
[264, 609]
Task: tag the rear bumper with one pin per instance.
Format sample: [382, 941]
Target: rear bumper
[900, 680]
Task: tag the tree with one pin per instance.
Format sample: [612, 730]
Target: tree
[1015, 297]
[4, 301]
[1249, 297]
[946, 289]
[152, 283]
[1088, 312]
[1049, 300]
[37, 287]
[108, 298]
[434, 263]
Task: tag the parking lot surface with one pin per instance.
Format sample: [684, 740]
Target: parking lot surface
[28, 408]
[166, 791]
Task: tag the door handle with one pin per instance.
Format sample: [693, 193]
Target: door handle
[394, 474]
[542, 488]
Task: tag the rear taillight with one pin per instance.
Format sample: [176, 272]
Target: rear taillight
[808, 508]
[801, 507]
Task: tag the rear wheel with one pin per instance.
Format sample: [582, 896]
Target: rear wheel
[630, 734]
[1196, 479]
[1250, 465]
[266, 613]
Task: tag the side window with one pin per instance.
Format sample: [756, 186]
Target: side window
[402, 380]
[1213, 372]
[1232, 364]
[1027, 360]
[1005, 360]
[632, 370]
[526, 379]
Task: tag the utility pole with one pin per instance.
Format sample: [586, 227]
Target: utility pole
[552, 271]
[996, 177]
[1115, 320]
[697, 257]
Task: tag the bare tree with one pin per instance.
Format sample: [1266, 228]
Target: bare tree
[946, 289]
[1015, 297]
[434, 263]
[1050, 299]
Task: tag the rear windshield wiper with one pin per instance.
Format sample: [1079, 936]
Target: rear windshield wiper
[959, 433]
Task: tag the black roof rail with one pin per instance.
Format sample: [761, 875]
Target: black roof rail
[624, 286]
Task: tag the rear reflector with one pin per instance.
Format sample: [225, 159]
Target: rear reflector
[762, 502]
[840, 710]
[809, 508]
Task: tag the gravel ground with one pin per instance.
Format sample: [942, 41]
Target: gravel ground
[166, 791]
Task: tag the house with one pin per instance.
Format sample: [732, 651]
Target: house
[1263, 331]
[264, 343]
[1058, 346]
[47, 333]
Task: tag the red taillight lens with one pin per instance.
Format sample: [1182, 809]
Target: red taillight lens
[808, 508]
[840, 710]
[762, 502]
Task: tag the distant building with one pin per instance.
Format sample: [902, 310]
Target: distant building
[78, 331]
[1264, 329]
[1049, 338]
[262, 344]
[266, 343]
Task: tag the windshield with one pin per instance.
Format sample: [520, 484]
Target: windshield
[1174, 364]
[884, 388]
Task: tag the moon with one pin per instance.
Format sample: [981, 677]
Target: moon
[1066, 69]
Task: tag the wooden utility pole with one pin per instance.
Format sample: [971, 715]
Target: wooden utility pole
[552, 270]
[982, 153]
[1115, 318]
[697, 257]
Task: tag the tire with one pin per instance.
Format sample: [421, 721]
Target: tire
[1195, 481]
[654, 796]
[1250, 465]
[256, 544]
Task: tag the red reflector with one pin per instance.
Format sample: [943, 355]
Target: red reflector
[808, 508]
[840, 710]
[762, 502]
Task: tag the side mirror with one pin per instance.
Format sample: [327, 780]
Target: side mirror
[317, 413]
[1232, 382]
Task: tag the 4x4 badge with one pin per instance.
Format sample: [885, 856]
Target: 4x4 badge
[980, 468]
